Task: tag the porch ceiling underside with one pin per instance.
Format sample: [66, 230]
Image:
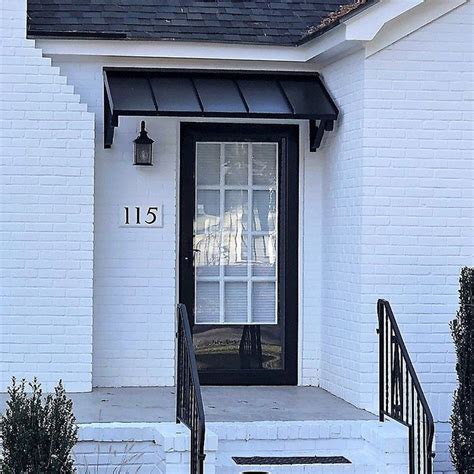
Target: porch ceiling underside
[215, 94]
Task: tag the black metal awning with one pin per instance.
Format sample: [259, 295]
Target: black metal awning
[182, 93]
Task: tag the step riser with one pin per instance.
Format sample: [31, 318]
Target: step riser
[370, 446]
[294, 447]
[308, 469]
[322, 447]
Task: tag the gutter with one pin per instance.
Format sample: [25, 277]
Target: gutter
[311, 36]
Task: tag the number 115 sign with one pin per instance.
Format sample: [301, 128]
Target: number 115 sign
[141, 216]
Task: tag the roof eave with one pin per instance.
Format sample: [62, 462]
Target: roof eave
[350, 33]
[321, 31]
[94, 35]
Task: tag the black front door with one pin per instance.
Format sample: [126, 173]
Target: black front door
[238, 255]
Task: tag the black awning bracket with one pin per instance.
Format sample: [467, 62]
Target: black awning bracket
[218, 94]
[109, 122]
[316, 132]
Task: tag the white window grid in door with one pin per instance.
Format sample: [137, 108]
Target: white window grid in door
[260, 289]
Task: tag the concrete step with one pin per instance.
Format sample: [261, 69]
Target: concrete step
[163, 448]
[372, 447]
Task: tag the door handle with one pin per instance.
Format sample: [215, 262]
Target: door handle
[187, 258]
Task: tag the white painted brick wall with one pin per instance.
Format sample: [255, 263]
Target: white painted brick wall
[341, 154]
[396, 187]
[135, 284]
[418, 186]
[398, 216]
[102, 457]
[163, 448]
[134, 269]
[46, 216]
[372, 447]
[443, 464]
[418, 182]
[158, 448]
[311, 203]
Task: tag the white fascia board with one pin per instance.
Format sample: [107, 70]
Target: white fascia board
[403, 25]
[332, 42]
[353, 33]
[334, 38]
[169, 49]
[365, 25]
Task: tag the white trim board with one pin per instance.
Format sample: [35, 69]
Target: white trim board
[401, 26]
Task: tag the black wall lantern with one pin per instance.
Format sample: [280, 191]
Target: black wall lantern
[143, 148]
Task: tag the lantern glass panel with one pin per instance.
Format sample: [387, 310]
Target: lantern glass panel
[143, 154]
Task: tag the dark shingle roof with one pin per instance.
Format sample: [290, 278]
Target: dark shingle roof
[275, 22]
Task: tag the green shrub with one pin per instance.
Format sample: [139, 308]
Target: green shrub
[38, 433]
[462, 418]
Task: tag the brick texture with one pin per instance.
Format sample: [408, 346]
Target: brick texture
[398, 216]
[386, 207]
[138, 447]
[418, 178]
[341, 330]
[135, 278]
[46, 216]
[134, 269]
[371, 446]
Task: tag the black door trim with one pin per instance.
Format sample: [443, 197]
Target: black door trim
[288, 138]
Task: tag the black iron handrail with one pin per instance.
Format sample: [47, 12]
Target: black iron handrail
[400, 394]
[189, 407]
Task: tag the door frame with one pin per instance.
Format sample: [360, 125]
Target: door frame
[288, 229]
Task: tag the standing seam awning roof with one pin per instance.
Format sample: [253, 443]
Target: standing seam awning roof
[215, 94]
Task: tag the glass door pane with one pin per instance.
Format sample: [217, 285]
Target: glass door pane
[235, 233]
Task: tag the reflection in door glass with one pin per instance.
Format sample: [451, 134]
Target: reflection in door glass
[235, 251]
[238, 346]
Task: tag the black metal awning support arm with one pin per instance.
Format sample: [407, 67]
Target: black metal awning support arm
[110, 119]
[316, 132]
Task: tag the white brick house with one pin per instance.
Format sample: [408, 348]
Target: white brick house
[382, 209]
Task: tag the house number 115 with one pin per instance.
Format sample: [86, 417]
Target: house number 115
[140, 216]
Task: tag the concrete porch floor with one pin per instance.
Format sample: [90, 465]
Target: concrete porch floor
[244, 404]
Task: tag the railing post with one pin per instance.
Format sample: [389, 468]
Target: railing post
[178, 364]
[393, 391]
[381, 333]
[189, 407]
[411, 450]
